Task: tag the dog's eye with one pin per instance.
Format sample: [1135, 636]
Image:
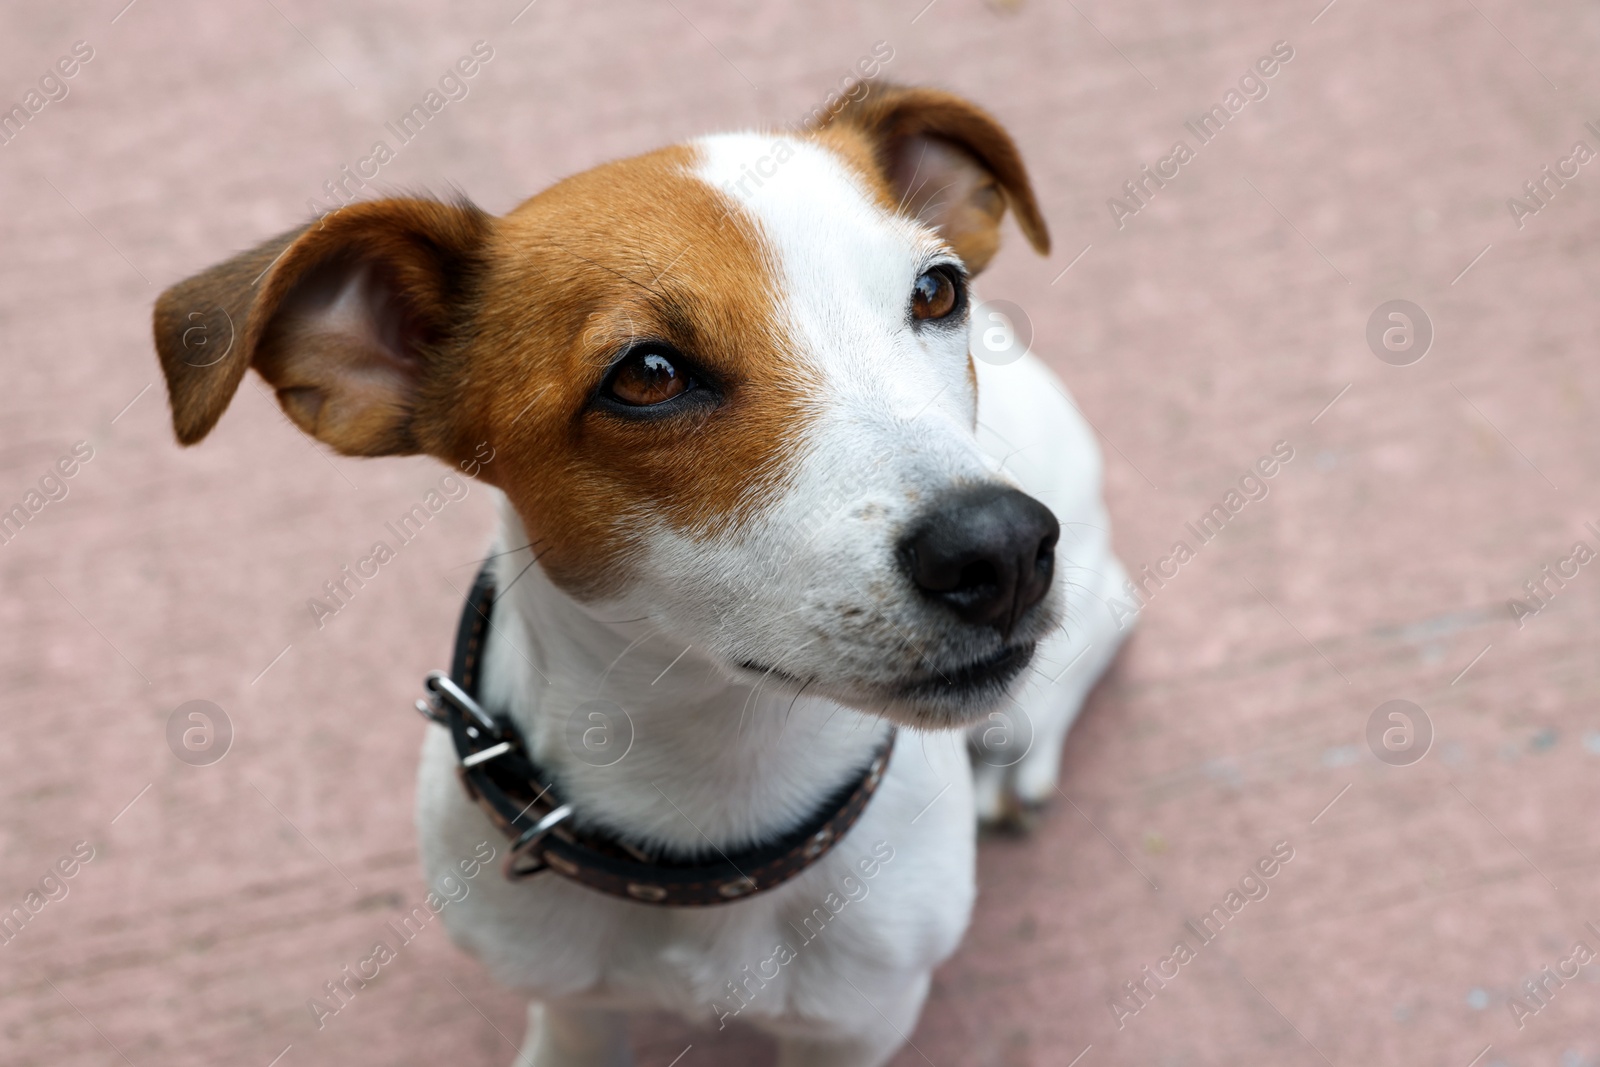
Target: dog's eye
[935, 294]
[647, 377]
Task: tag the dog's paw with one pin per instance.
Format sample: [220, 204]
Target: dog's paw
[989, 789]
[1034, 783]
[1003, 809]
[1014, 818]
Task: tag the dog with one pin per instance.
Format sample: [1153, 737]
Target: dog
[761, 512]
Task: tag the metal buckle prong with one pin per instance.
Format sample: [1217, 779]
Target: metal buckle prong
[531, 837]
[486, 754]
[430, 712]
[439, 684]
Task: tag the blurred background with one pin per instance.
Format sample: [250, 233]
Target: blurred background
[1243, 304]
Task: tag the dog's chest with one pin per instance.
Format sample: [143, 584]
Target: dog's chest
[892, 898]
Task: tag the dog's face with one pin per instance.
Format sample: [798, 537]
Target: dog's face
[727, 386]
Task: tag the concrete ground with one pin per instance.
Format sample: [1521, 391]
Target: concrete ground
[1224, 316]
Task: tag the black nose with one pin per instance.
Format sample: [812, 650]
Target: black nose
[987, 552]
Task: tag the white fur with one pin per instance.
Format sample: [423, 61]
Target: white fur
[722, 756]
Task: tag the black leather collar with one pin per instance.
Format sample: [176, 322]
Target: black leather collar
[519, 797]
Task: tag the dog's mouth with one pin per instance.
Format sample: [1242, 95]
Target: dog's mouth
[971, 681]
[936, 696]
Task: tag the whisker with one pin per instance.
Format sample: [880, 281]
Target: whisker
[514, 581]
[496, 555]
[912, 184]
[790, 709]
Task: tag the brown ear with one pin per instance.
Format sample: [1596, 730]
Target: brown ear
[948, 163]
[346, 318]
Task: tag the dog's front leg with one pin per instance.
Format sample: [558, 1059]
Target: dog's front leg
[882, 1033]
[574, 1037]
[862, 1051]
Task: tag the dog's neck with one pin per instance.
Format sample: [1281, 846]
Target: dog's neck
[711, 763]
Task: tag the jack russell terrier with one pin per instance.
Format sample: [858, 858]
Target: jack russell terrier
[761, 512]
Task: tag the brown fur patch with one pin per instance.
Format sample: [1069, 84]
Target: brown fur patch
[896, 135]
[503, 329]
[426, 253]
[630, 251]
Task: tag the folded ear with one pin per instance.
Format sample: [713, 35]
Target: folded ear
[346, 318]
[948, 163]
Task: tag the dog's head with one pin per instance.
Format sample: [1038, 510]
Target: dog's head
[727, 385]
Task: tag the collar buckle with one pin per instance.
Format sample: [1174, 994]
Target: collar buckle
[499, 776]
[526, 857]
[445, 695]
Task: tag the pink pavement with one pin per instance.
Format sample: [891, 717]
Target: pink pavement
[1214, 315]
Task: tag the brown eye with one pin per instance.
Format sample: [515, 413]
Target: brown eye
[934, 294]
[644, 379]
